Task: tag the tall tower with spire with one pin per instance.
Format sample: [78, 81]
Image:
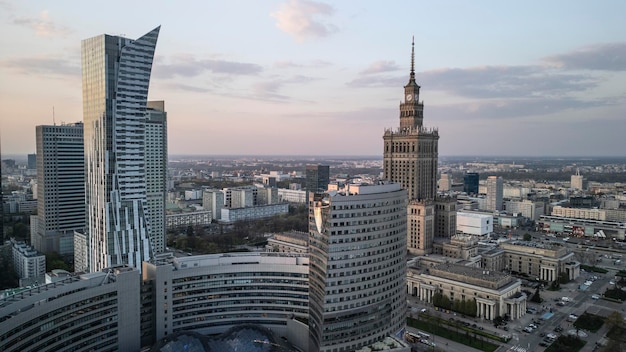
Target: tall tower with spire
[410, 158]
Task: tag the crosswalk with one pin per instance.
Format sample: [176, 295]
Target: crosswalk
[517, 348]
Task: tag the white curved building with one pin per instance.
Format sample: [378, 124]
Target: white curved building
[211, 293]
[357, 254]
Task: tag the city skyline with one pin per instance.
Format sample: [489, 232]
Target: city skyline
[493, 75]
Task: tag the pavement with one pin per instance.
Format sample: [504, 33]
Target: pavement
[581, 302]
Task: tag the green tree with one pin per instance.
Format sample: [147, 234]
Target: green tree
[536, 297]
[615, 319]
[527, 237]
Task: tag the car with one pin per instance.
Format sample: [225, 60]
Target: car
[611, 282]
[542, 334]
[528, 329]
[595, 297]
[558, 329]
[552, 336]
[423, 310]
[561, 303]
[543, 344]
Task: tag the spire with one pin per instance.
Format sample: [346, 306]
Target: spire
[412, 77]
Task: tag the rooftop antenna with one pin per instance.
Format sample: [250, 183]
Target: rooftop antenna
[53, 121]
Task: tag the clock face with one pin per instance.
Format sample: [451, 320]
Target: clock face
[409, 97]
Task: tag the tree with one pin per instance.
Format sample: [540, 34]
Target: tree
[536, 297]
[527, 237]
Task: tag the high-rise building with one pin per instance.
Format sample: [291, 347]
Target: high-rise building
[470, 183]
[317, 178]
[576, 181]
[495, 189]
[410, 158]
[32, 162]
[445, 182]
[156, 172]
[60, 187]
[116, 77]
[357, 266]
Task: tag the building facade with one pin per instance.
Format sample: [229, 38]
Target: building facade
[156, 172]
[317, 178]
[60, 166]
[357, 266]
[29, 265]
[470, 183]
[495, 293]
[495, 189]
[95, 312]
[410, 158]
[116, 78]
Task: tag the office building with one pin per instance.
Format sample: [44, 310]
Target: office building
[528, 208]
[317, 178]
[445, 183]
[494, 193]
[32, 162]
[116, 77]
[576, 181]
[156, 172]
[474, 224]
[470, 183]
[357, 266]
[94, 312]
[60, 187]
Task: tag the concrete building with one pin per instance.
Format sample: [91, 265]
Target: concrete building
[190, 218]
[213, 201]
[230, 215]
[474, 224]
[528, 209]
[32, 162]
[495, 293]
[29, 265]
[445, 217]
[420, 226]
[445, 183]
[357, 266]
[576, 181]
[116, 77]
[96, 312]
[211, 293]
[60, 167]
[539, 261]
[494, 193]
[581, 227]
[292, 196]
[156, 172]
[289, 242]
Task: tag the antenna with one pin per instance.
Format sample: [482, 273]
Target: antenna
[53, 122]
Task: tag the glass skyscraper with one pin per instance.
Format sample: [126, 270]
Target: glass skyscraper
[116, 77]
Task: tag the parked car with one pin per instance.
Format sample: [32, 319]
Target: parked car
[595, 297]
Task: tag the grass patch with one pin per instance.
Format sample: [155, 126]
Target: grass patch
[436, 327]
[566, 343]
[594, 269]
[589, 322]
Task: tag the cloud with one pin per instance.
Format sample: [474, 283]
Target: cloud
[188, 88]
[269, 90]
[301, 19]
[43, 65]
[380, 66]
[602, 57]
[509, 108]
[188, 66]
[43, 25]
[311, 64]
[506, 81]
[378, 81]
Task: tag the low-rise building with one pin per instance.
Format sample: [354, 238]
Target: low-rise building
[495, 293]
[230, 215]
[29, 265]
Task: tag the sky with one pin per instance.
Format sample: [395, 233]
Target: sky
[294, 77]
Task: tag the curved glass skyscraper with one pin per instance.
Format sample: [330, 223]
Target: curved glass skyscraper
[116, 77]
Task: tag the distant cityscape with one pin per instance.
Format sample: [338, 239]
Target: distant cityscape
[113, 244]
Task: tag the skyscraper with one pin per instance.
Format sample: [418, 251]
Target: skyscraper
[116, 77]
[470, 183]
[410, 158]
[495, 190]
[357, 266]
[60, 187]
[317, 178]
[156, 172]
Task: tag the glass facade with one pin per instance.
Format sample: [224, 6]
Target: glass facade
[116, 77]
